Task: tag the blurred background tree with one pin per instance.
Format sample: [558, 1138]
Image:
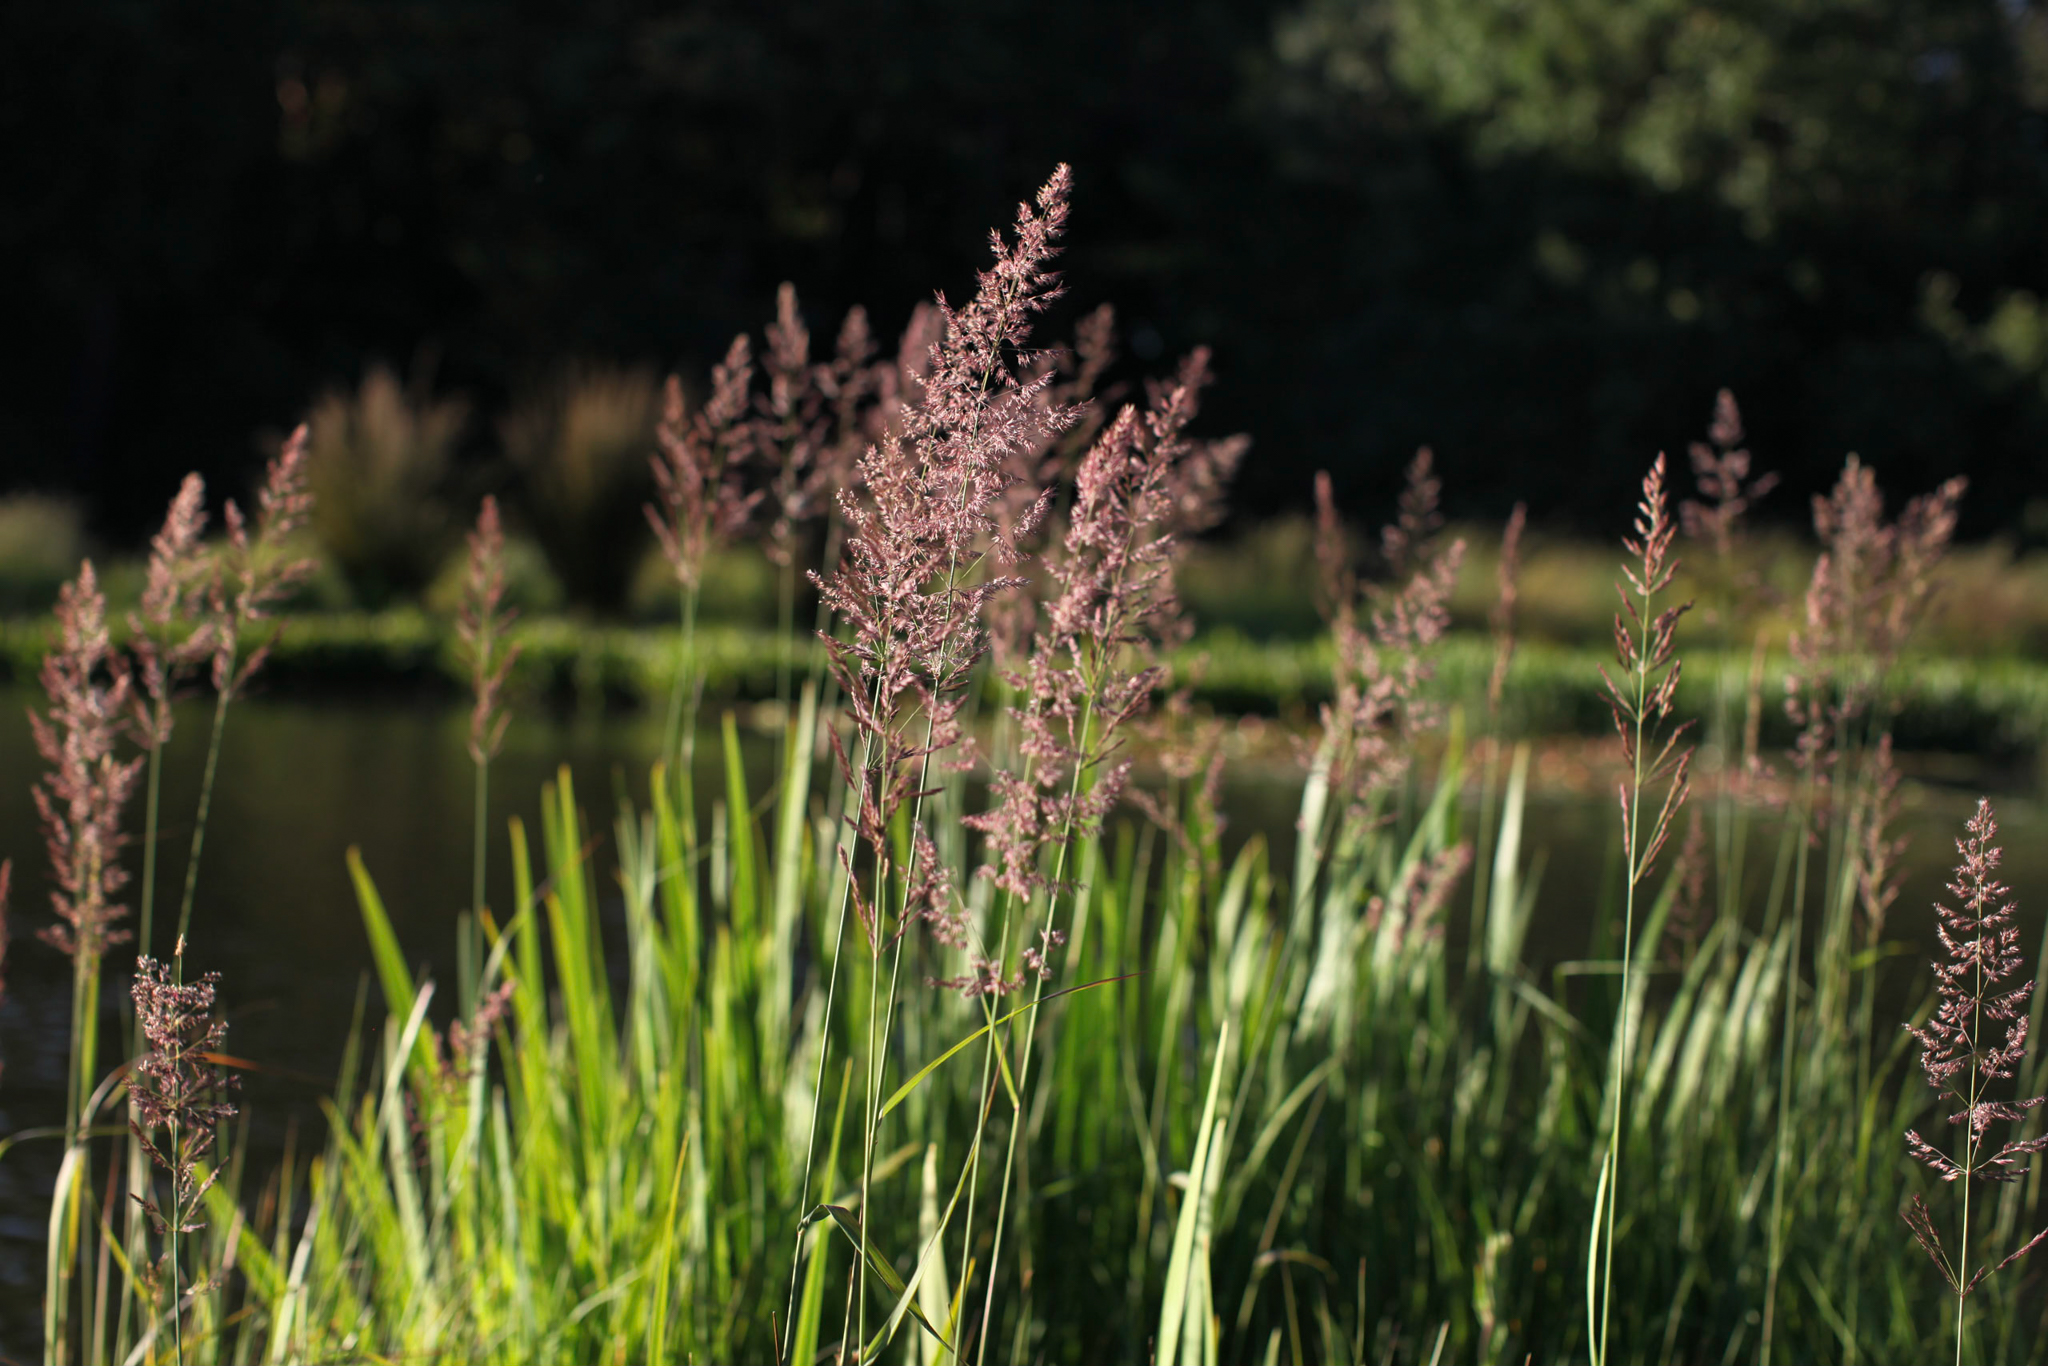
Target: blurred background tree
[1538, 235]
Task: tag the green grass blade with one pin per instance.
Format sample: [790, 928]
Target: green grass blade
[1183, 1293]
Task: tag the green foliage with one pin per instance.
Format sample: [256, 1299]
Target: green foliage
[1766, 106]
[581, 441]
[41, 541]
[378, 458]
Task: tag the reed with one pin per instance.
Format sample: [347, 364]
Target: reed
[869, 1063]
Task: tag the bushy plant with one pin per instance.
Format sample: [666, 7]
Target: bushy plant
[41, 539]
[378, 458]
[579, 441]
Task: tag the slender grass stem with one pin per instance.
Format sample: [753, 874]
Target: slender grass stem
[213, 739]
[1618, 1080]
[1029, 1029]
[479, 835]
[843, 877]
[1782, 1148]
[785, 628]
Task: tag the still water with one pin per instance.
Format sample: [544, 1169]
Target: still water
[301, 782]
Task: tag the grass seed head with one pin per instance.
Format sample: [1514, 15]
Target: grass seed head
[481, 625]
[1959, 1050]
[177, 1086]
[81, 798]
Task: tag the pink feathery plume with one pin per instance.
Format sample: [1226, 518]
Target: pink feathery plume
[1094, 663]
[1721, 468]
[1646, 649]
[179, 1085]
[81, 798]
[1870, 587]
[925, 549]
[1959, 1050]
[173, 593]
[697, 467]
[792, 427]
[1380, 704]
[255, 572]
[482, 625]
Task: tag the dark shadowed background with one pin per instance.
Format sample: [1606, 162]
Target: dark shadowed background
[1538, 235]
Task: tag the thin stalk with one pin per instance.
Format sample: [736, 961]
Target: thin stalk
[847, 828]
[785, 628]
[982, 1105]
[133, 1225]
[478, 836]
[1783, 1156]
[220, 720]
[675, 738]
[1628, 939]
[1969, 1154]
[1030, 1033]
[873, 1079]
[146, 912]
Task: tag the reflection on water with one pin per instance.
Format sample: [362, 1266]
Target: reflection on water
[301, 782]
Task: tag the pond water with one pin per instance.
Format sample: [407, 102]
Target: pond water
[302, 781]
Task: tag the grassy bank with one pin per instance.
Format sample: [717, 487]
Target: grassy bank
[1985, 706]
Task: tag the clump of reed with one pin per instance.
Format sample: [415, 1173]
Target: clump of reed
[577, 440]
[966, 1039]
[203, 609]
[376, 462]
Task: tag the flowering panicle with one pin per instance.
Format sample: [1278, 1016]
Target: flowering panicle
[81, 798]
[1869, 588]
[1196, 479]
[178, 1085]
[171, 594]
[810, 424]
[1722, 471]
[1198, 484]
[1958, 1051]
[698, 465]
[1646, 650]
[1508, 577]
[856, 385]
[1383, 665]
[256, 570]
[468, 1038]
[1417, 900]
[482, 625]
[1092, 668]
[1418, 517]
[928, 894]
[913, 586]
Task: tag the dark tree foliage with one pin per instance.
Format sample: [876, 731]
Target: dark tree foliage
[1537, 235]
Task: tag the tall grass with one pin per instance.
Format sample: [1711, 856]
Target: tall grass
[743, 1073]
